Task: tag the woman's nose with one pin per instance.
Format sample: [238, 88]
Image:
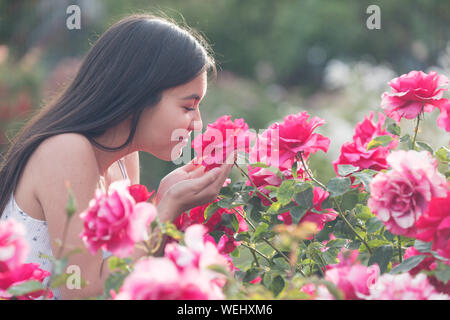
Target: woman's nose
[196, 123]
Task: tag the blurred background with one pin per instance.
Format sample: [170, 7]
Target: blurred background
[274, 58]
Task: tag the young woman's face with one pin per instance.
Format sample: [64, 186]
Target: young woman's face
[164, 129]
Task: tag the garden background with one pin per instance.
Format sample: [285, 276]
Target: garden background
[274, 58]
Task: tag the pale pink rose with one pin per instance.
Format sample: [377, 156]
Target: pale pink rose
[400, 196]
[443, 119]
[183, 273]
[413, 93]
[20, 274]
[350, 276]
[403, 287]
[13, 246]
[115, 222]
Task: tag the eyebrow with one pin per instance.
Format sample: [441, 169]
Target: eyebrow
[192, 96]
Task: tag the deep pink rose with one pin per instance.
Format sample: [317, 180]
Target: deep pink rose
[140, 192]
[434, 225]
[115, 222]
[220, 140]
[403, 286]
[295, 134]
[197, 216]
[263, 177]
[320, 219]
[443, 119]
[13, 246]
[355, 153]
[182, 274]
[400, 196]
[427, 264]
[20, 274]
[412, 93]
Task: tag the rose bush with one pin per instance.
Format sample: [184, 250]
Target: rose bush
[380, 229]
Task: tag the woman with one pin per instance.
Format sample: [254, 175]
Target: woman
[143, 79]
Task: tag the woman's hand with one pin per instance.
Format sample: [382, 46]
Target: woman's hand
[188, 187]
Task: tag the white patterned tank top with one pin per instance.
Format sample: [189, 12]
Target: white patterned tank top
[37, 234]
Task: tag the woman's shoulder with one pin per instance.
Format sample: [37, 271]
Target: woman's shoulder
[63, 151]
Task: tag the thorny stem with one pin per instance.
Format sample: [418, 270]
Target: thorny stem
[416, 129]
[400, 249]
[335, 202]
[253, 184]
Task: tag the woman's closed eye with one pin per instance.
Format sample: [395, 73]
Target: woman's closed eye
[189, 108]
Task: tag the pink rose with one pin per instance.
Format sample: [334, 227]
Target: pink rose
[403, 287]
[427, 264]
[443, 120]
[355, 152]
[221, 139]
[140, 193]
[13, 246]
[295, 135]
[115, 222]
[400, 196]
[320, 219]
[413, 93]
[20, 274]
[263, 177]
[434, 225]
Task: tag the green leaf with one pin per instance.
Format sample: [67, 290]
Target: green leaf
[114, 282]
[25, 288]
[405, 138]
[118, 263]
[231, 221]
[210, 210]
[260, 231]
[274, 208]
[443, 154]
[285, 192]
[252, 273]
[277, 285]
[242, 236]
[443, 273]
[338, 186]
[425, 146]
[297, 214]
[408, 264]
[382, 256]
[346, 169]
[421, 246]
[304, 196]
[379, 141]
[349, 200]
[364, 178]
[363, 212]
[225, 203]
[394, 129]
[373, 225]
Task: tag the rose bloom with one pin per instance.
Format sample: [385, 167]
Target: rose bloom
[221, 139]
[197, 216]
[403, 287]
[20, 274]
[443, 119]
[413, 93]
[427, 264]
[13, 246]
[434, 225]
[355, 153]
[400, 196]
[263, 177]
[115, 222]
[320, 219]
[140, 193]
[295, 134]
[182, 274]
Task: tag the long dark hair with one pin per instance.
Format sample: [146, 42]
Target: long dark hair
[125, 71]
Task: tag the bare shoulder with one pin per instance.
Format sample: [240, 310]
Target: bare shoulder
[64, 156]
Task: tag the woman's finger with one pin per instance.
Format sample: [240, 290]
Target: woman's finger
[192, 165]
[200, 171]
